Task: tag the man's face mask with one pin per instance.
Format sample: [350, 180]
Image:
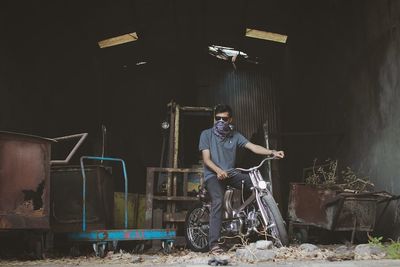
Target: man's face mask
[221, 128]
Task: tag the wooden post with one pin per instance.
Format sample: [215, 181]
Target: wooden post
[149, 198]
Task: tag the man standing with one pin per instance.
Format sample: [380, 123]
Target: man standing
[218, 147]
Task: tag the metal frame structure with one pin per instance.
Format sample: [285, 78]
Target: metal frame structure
[170, 216]
[176, 111]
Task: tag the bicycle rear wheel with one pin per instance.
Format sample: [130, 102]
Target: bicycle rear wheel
[276, 226]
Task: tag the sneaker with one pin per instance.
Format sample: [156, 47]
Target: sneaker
[216, 250]
[217, 262]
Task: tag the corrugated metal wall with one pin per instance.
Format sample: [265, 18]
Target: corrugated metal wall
[250, 92]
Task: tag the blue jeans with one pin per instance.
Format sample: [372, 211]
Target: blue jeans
[216, 189]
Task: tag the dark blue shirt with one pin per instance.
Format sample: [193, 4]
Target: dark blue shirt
[222, 151]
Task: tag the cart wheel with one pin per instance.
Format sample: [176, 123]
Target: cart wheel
[167, 246]
[112, 245]
[74, 251]
[139, 248]
[99, 249]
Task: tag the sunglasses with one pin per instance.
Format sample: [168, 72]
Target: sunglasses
[217, 118]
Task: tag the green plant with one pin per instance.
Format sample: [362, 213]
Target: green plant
[393, 250]
[375, 241]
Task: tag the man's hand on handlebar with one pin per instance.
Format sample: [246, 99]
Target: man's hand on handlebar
[278, 154]
[222, 175]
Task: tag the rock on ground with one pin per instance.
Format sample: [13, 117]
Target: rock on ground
[256, 252]
[308, 247]
[368, 251]
[264, 244]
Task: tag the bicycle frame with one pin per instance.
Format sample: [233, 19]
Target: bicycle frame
[260, 188]
[257, 176]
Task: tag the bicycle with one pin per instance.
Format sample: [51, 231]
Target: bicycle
[258, 214]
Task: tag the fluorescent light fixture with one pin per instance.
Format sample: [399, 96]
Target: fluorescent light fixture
[269, 36]
[223, 52]
[122, 39]
[230, 54]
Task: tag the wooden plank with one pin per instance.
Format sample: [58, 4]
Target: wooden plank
[177, 198]
[269, 36]
[206, 109]
[122, 39]
[181, 170]
[157, 224]
[175, 216]
[185, 184]
[149, 198]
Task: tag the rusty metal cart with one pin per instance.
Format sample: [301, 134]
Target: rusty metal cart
[311, 207]
[104, 238]
[25, 162]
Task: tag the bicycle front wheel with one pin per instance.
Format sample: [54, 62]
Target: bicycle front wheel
[276, 226]
[197, 228]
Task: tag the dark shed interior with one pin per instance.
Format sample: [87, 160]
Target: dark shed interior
[333, 88]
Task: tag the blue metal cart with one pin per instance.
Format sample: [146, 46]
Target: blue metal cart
[102, 238]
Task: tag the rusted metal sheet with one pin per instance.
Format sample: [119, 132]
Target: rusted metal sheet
[251, 93]
[24, 181]
[355, 212]
[332, 210]
[306, 204]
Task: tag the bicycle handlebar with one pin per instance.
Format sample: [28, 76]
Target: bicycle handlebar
[256, 167]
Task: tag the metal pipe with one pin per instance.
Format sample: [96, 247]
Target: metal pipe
[176, 151]
[207, 109]
[171, 136]
[72, 153]
[103, 137]
[269, 162]
[84, 187]
[176, 137]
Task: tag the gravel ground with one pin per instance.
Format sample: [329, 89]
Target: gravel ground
[282, 256]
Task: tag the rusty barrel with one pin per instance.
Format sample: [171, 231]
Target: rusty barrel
[24, 181]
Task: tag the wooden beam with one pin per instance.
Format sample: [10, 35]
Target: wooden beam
[122, 39]
[269, 36]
